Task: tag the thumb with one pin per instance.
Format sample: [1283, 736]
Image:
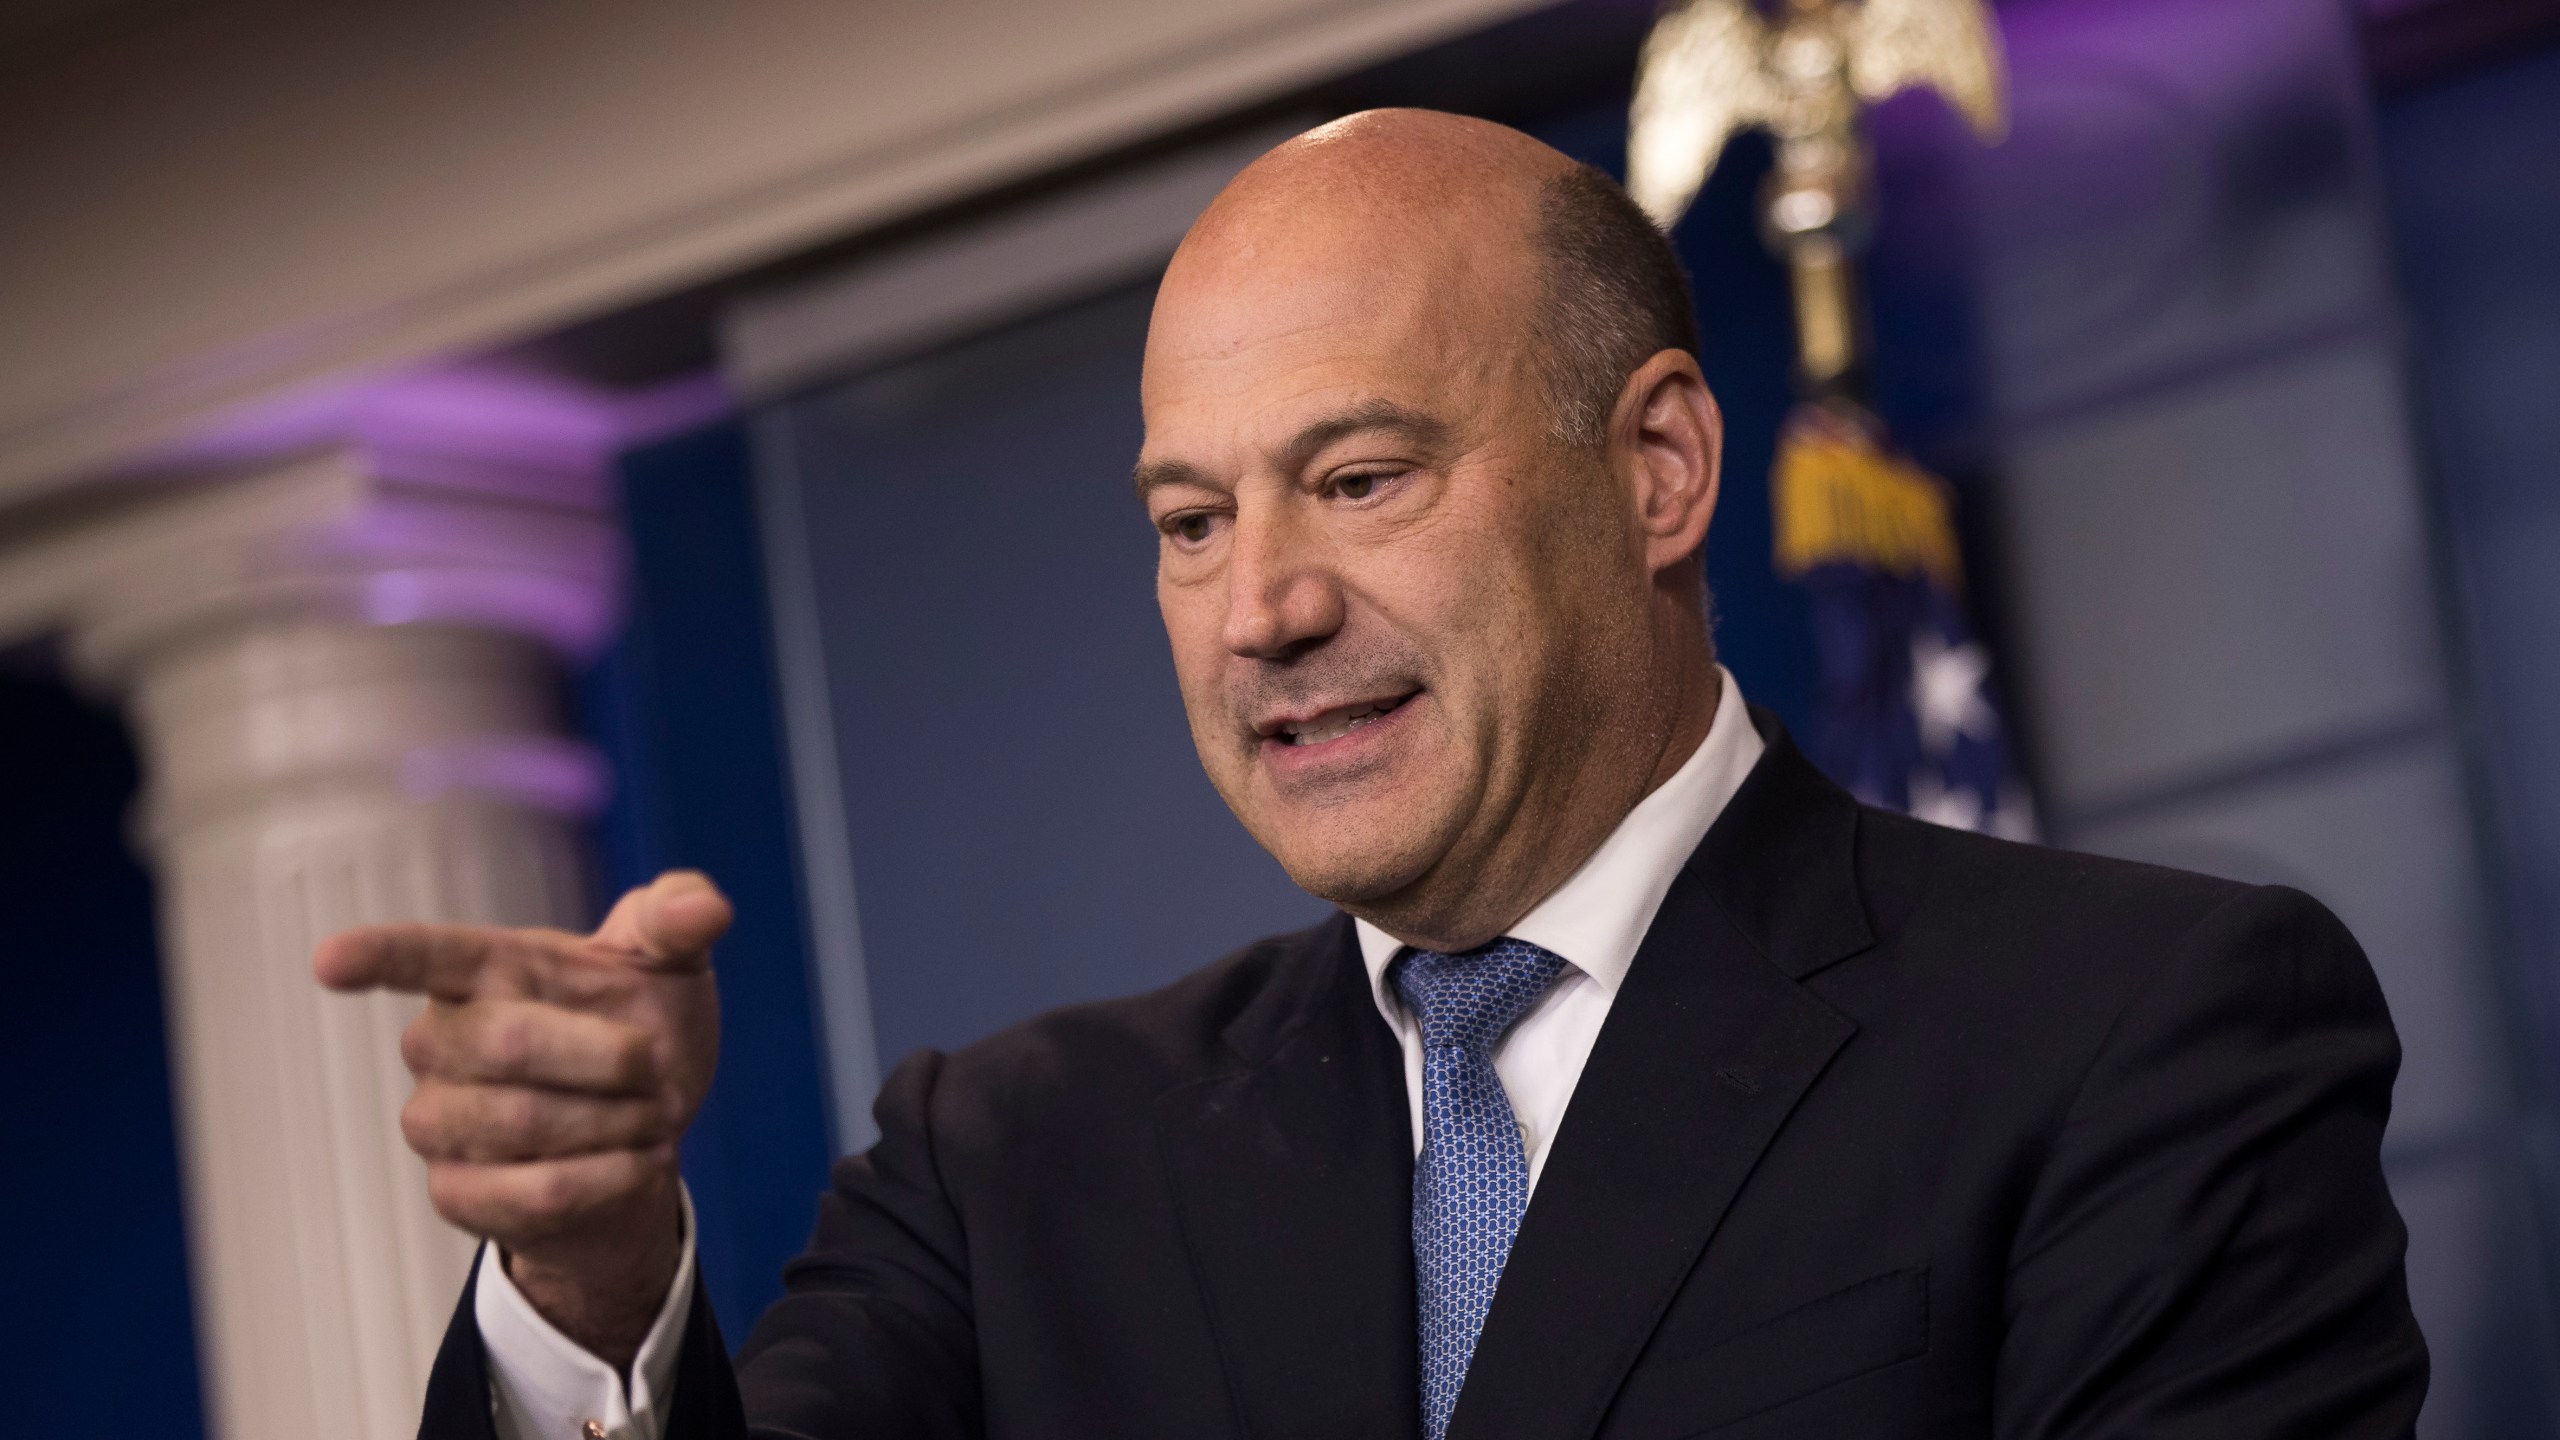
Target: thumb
[668, 923]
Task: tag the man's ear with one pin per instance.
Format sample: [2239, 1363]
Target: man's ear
[1670, 439]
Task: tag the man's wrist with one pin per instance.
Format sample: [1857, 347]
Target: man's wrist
[604, 1293]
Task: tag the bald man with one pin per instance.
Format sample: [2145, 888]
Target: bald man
[1645, 1086]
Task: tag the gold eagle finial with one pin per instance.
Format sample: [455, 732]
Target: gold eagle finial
[1714, 67]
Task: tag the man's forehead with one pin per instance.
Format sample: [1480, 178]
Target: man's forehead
[1259, 375]
[1390, 259]
[1249, 338]
[1262, 388]
[1310, 291]
[1326, 316]
[1334, 236]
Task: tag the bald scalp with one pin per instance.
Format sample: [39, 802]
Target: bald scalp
[1559, 265]
[1416, 161]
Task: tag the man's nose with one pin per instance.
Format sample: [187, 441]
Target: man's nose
[1282, 594]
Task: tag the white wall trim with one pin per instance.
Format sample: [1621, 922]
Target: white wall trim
[161, 375]
[48, 564]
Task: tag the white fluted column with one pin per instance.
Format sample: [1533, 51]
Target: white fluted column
[349, 710]
[285, 804]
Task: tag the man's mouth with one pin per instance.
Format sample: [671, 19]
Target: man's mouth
[1333, 724]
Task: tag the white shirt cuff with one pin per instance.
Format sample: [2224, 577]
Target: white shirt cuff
[545, 1386]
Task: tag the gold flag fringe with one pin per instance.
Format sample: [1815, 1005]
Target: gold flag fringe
[1840, 498]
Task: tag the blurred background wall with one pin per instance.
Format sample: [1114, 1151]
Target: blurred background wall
[475, 456]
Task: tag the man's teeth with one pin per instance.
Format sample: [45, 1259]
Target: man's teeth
[1332, 727]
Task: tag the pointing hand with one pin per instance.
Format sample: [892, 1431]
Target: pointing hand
[556, 1074]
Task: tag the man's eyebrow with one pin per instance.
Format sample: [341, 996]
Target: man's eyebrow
[1152, 474]
[1369, 415]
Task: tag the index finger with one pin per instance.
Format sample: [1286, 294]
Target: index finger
[445, 961]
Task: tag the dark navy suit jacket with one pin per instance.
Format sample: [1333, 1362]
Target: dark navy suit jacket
[1892, 1132]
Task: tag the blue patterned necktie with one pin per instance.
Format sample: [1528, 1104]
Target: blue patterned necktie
[1473, 1179]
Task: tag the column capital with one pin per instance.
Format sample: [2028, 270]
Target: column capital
[353, 534]
[454, 497]
[365, 590]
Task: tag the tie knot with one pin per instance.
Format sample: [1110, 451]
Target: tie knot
[1469, 998]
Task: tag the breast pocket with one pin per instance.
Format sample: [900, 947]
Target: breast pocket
[1824, 1342]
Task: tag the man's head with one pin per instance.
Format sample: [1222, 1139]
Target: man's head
[1432, 464]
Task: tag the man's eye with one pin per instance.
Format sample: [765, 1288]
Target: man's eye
[1359, 485]
[1191, 529]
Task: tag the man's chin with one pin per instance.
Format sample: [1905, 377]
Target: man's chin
[1356, 859]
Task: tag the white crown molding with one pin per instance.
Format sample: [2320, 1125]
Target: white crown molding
[49, 563]
[467, 497]
[224, 207]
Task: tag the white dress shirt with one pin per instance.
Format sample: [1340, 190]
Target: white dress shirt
[1595, 920]
[544, 1387]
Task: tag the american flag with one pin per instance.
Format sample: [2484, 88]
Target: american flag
[1907, 716]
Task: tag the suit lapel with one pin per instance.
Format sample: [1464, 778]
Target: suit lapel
[1292, 1177]
[1708, 1047]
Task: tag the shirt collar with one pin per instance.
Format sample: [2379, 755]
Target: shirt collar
[1599, 915]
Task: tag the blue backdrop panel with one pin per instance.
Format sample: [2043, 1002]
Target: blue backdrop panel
[2475, 201]
[95, 1337]
[2474, 191]
[1029, 824]
[684, 707]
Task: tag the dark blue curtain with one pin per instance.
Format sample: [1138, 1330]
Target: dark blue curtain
[96, 1338]
[683, 705]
